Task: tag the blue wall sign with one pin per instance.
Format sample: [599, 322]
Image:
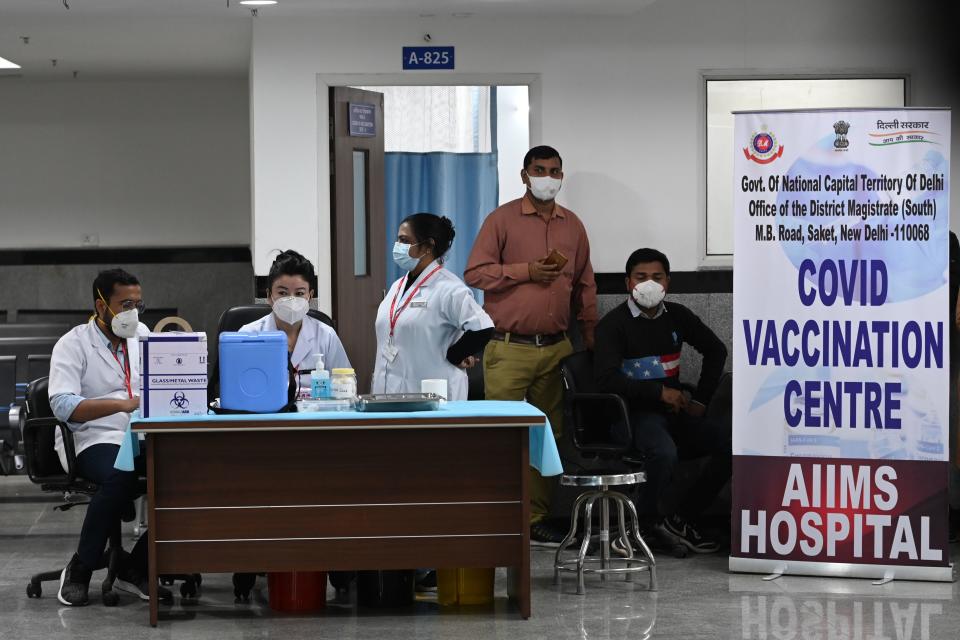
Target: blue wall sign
[363, 119]
[427, 58]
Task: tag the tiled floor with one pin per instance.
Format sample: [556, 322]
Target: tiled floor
[698, 598]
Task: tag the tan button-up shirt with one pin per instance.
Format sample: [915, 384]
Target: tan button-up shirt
[513, 236]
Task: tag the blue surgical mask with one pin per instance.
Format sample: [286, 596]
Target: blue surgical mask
[401, 256]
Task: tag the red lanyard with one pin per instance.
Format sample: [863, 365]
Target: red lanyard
[393, 318]
[125, 366]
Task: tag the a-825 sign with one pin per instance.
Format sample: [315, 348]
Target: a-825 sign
[427, 58]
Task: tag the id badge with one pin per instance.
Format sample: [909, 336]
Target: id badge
[390, 351]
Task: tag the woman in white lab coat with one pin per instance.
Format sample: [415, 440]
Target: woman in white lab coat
[428, 326]
[289, 293]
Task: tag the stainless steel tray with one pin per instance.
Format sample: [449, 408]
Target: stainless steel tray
[391, 402]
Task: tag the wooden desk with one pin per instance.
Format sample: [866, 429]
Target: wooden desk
[328, 494]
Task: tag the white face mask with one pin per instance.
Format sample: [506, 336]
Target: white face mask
[291, 309]
[544, 188]
[125, 323]
[648, 294]
[402, 257]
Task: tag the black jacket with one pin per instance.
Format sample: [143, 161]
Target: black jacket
[620, 337]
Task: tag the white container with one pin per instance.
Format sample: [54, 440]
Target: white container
[437, 386]
[343, 384]
[173, 374]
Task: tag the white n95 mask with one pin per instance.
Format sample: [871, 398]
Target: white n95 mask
[124, 324]
[544, 187]
[648, 294]
[291, 309]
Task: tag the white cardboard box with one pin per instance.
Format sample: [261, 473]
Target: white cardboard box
[173, 374]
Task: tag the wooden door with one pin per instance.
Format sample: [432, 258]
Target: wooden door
[357, 208]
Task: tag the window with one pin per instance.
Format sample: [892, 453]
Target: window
[727, 94]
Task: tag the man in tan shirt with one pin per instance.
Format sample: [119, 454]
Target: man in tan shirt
[532, 261]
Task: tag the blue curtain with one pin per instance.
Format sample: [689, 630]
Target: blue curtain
[461, 186]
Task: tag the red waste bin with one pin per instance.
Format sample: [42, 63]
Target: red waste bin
[297, 591]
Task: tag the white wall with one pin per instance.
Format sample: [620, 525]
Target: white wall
[618, 97]
[133, 163]
[513, 139]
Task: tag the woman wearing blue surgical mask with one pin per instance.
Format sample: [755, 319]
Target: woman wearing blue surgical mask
[428, 326]
[289, 294]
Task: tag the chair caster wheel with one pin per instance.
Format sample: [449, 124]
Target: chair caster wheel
[34, 590]
[110, 598]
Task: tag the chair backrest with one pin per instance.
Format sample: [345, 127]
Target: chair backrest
[73, 317]
[38, 365]
[235, 317]
[8, 380]
[43, 464]
[23, 346]
[577, 372]
[589, 422]
[26, 330]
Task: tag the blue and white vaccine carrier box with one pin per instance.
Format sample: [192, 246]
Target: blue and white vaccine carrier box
[253, 371]
[173, 374]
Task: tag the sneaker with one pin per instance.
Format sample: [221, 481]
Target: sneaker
[688, 536]
[426, 582]
[74, 583]
[618, 548]
[544, 534]
[133, 581]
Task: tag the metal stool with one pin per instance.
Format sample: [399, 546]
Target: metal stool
[628, 565]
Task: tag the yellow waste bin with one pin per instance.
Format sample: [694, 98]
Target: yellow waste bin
[464, 586]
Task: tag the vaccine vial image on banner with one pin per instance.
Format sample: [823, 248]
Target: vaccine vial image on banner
[810, 443]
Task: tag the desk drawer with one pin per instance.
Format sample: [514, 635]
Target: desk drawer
[338, 521]
[355, 466]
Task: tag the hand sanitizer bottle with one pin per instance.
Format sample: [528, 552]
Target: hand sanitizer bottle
[320, 381]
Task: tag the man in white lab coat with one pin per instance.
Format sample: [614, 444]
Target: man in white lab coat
[94, 385]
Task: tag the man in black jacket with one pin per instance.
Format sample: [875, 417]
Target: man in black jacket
[637, 356]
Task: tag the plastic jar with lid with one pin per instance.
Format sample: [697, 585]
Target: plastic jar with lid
[343, 384]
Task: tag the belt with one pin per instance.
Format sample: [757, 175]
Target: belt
[538, 340]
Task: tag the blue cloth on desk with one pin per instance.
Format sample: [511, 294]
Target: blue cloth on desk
[129, 449]
[543, 448]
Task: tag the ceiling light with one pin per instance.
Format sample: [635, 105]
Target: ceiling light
[257, 3]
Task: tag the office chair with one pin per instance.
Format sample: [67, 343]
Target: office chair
[44, 469]
[591, 417]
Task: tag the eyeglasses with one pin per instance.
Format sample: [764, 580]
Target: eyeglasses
[130, 305]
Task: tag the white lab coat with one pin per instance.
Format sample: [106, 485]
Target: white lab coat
[438, 314]
[315, 337]
[81, 363]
